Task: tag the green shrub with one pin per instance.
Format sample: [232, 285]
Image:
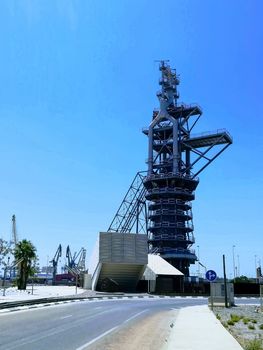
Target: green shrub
[254, 321]
[261, 326]
[218, 316]
[255, 344]
[235, 318]
[246, 320]
[230, 323]
[251, 326]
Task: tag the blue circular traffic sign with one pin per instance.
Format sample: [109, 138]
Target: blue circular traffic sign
[210, 275]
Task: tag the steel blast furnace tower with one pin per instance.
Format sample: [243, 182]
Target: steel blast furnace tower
[171, 178]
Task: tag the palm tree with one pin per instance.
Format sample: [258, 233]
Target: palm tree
[25, 250]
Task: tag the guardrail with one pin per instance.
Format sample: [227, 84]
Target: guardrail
[12, 304]
[171, 201]
[19, 303]
[164, 236]
[170, 212]
[170, 175]
[210, 133]
[179, 225]
[169, 189]
[176, 251]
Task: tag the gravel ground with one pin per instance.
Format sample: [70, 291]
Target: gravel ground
[250, 317]
[150, 333]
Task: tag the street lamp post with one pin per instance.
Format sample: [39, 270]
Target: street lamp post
[47, 269]
[198, 256]
[225, 282]
[234, 263]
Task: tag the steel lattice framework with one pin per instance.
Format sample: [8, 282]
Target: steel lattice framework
[175, 159]
[132, 211]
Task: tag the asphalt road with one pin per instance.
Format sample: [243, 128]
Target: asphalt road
[79, 324]
[247, 301]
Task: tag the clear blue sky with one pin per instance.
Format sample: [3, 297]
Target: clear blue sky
[78, 82]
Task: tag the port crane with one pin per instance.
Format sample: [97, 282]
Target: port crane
[54, 262]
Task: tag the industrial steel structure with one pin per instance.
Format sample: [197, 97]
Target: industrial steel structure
[77, 261]
[75, 264]
[175, 159]
[132, 213]
[54, 262]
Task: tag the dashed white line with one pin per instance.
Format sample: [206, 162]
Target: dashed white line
[62, 318]
[139, 313]
[97, 338]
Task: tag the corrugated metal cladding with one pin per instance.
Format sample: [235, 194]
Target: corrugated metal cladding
[128, 248]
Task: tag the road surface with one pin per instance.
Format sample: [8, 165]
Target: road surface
[86, 324]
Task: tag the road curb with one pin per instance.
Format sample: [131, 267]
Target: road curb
[42, 302]
[65, 299]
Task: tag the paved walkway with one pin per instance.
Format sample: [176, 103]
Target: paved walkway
[197, 328]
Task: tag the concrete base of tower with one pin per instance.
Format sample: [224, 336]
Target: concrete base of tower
[182, 265]
[180, 258]
[162, 277]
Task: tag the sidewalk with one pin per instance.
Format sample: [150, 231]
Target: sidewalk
[12, 294]
[197, 328]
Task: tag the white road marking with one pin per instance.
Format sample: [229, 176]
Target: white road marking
[62, 318]
[97, 338]
[109, 331]
[139, 313]
[27, 340]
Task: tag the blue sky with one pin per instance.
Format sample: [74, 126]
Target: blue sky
[78, 82]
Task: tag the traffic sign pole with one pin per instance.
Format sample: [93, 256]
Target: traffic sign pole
[211, 277]
[211, 296]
